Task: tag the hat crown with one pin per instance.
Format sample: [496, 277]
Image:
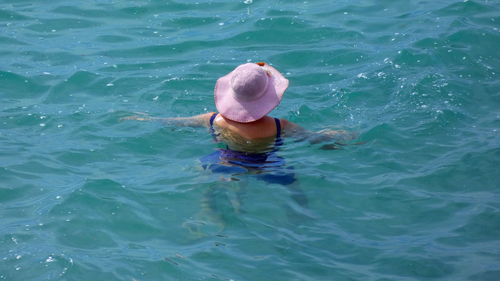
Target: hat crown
[249, 82]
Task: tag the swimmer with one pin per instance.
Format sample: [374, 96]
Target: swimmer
[244, 98]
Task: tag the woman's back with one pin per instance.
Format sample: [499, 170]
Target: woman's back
[254, 137]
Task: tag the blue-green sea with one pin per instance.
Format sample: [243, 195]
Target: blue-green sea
[87, 196]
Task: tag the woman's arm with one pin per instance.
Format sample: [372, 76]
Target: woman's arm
[202, 120]
[293, 130]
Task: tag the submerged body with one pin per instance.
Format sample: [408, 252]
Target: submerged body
[253, 153]
[249, 137]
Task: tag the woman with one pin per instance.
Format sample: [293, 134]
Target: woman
[243, 99]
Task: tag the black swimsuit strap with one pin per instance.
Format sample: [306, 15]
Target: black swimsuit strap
[278, 128]
[278, 140]
[212, 118]
[212, 131]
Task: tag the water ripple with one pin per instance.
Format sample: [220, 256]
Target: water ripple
[85, 195]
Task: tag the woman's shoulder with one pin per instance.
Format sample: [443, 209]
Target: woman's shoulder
[287, 125]
[206, 118]
[262, 128]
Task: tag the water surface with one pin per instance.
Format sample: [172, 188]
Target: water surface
[84, 196]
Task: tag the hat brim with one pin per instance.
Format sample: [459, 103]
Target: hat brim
[249, 111]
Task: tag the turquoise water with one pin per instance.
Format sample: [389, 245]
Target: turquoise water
[85, 196]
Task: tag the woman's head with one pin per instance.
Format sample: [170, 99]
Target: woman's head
[249, 92]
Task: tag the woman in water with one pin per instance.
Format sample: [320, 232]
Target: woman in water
[243, 99]
[250, 137]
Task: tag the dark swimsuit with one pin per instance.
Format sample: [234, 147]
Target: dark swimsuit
[266, 166]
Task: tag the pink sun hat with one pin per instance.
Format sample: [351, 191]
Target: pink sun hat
[249, 92]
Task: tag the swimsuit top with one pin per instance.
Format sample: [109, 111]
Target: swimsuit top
[277, 141]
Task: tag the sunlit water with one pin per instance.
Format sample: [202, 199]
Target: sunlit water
[85, 196]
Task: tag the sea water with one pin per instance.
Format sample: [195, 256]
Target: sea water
[85, 196]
